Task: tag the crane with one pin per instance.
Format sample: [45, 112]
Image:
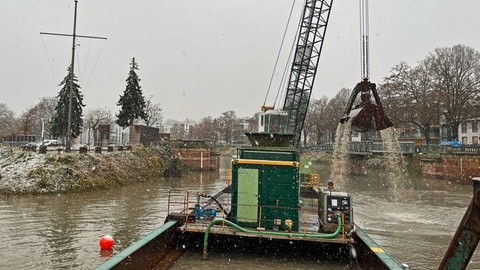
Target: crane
[304, 67]
[367, 116]
[290, 119]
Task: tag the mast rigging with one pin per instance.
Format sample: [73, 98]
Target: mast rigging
[68, 136]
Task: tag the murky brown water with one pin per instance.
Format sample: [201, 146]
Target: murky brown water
[417, 225]
[62, 231]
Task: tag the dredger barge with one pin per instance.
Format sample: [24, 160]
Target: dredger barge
[272, 206]
[269, 207]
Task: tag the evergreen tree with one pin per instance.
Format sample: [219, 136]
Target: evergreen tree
[60, 118]
[132, 102]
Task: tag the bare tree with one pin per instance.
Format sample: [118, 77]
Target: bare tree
[226, 124]
[154, 113]
[314, 123]
[394, 89]
[207, 129]
[455, 76]
[410, 99]
[44, 112]
[36, 119]
[7, 121]
[93, 119]
[26, 122]
[333, 112]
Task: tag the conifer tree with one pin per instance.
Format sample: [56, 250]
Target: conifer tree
[59, 126]
[132, 101]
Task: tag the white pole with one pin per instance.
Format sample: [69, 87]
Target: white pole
[43, 129]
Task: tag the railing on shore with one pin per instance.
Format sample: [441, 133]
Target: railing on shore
[463, 149]
[363, 148]
[409, 148]
[80, 149]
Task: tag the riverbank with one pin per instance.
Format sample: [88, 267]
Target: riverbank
[28, 172]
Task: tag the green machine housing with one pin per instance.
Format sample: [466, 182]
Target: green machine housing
[265, 188]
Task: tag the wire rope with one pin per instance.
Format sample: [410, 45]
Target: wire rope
[48, 59]
[364, 43]
[96, 62]
[83, 75]
[79, 72]
[284, 79]
[278, 55]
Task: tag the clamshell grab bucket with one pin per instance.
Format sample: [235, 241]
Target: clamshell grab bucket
[370, 117]
[367, 116]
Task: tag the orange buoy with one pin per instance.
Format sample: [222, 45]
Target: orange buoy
[106, 242]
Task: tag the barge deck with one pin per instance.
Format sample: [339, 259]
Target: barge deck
[308, 223]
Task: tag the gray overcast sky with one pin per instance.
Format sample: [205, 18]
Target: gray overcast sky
[202, 58]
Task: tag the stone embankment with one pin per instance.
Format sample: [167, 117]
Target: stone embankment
[23, 172]
[458, 167]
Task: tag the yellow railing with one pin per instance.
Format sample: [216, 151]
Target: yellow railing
[295, 164]
[228, 177]
[313, 180]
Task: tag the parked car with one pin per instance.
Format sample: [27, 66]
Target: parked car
[31, 144]
[51, 143]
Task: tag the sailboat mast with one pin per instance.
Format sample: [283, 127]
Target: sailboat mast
[68, 143]
[70, 91]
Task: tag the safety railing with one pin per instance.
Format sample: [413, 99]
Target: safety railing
[313, 180]
[363, 148]
[436, 148]
[178, 201]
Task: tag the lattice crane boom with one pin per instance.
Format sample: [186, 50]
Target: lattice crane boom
[304, 67]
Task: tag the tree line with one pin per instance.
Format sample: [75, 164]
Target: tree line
[442, 89]
[51, 116]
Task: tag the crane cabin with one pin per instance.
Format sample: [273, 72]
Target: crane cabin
[272, 121]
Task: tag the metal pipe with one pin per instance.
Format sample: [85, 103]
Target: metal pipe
[312, 235]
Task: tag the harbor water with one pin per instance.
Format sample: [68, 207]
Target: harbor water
[61, 231]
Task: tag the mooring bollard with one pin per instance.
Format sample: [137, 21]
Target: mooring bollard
[83, 150]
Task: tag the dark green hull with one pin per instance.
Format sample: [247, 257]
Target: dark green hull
[163, 246]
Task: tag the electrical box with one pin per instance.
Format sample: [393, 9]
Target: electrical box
[265, 188]
[331, 205]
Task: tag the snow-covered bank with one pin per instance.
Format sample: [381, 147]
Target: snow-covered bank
[32, 172]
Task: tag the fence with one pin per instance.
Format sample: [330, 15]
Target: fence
[363, 148]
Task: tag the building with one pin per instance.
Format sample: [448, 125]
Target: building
[241, 126]
[177, 129]
[468, 132]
